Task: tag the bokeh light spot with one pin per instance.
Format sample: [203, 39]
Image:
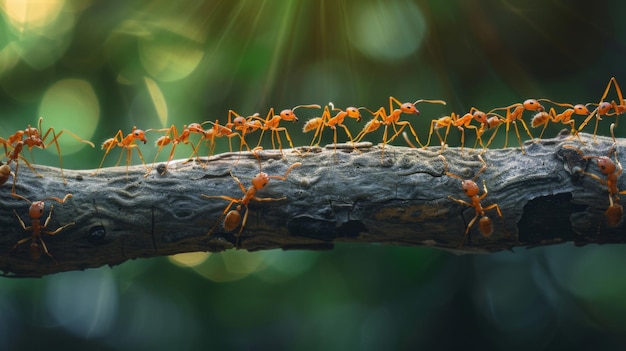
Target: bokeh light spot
[387, 33]
[70, 103]
[84, 303]
[158, 100]
[169, 61]
[189, 259]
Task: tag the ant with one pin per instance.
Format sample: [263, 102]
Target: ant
[393, 119]
[461, 122]
[175, 139]
[516, 115]
[612, 171]
[245, 125]
[233, 218]
[35, 212]
[604, 108]
[564, 117]
[318, 123]
[128, 143]
[272, 121]
[34, 137]
[470, 188]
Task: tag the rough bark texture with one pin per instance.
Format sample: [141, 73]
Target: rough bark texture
[353, 196]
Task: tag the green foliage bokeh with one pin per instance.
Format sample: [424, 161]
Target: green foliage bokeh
[96, 67]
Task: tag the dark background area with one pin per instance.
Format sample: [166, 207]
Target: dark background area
[99, 67]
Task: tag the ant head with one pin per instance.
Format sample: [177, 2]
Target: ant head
[409, 107]
[260, 180]
[353, 112]
[606, 165]
[581, 109]
[480, 116]
[288, 115]
[195, 128]
[470, 188]
[139, 134]
[532, 105]
[36, 209]
[35, 250]
[239, 121]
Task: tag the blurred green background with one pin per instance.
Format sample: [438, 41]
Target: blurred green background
[96, 67]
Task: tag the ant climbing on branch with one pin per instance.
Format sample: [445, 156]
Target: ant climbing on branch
[513, 114]
[35, 212]
[393, 119]
[470, 188]
[565, 117]
[318, 123]
[127, 142]
[271, 123]
[233, 218]
[604, 108]
[32, 137]
[612, 171]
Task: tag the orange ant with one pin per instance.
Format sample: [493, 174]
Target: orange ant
[318, 123]
[470, 188]
[516, 115]
[393, 119]
[175, 139]
[612, 171]
[564, 117]
[243, 125]
[604, 108]
[34, 137]
[272, 121]
[35, 212]
[128, 143]
[461, 122]
[233, 218]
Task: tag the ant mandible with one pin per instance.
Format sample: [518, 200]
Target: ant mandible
[393, 119]
[612, 171]
[233, 218]
[516, 115]
[470, 188]
[127, 142]
[35, 212]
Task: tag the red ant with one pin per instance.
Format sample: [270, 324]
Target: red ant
[272, 121]
[516, 115]
[604, 108]
[35, 212]
[34, 137]
[318, 123]
[233, 218]
[612, 171]
[564, 117]
[461, 122]
[393, 119]
[128, 143]
[470, 188]
[243, 125]
[175, 139]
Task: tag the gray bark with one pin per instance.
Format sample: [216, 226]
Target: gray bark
[353, 196]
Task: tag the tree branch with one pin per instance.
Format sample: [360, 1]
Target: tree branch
[355, 196]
